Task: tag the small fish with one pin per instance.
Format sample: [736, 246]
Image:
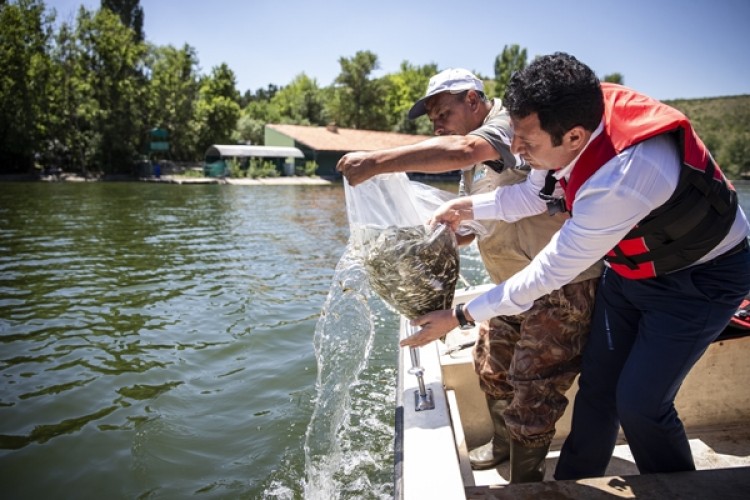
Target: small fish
[413, 269]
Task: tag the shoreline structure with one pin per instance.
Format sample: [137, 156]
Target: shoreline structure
[294, 180]
[179, 179]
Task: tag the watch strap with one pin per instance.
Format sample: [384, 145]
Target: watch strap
[461, 317]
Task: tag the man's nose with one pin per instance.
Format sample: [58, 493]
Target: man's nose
[515, 146]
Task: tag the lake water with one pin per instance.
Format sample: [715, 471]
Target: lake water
[164, 341]
[211, 341]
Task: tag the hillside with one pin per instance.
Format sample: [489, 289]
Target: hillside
[724, 125]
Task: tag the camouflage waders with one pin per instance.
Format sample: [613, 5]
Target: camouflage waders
[531, 359]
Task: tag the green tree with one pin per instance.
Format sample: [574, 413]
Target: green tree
[217, 109]
[130, 13]
[25, 37]
[300, 102]
[358, 100]
[256, 112]
[112, 61]
[250, 127]
[513, 58]
[72, 128]
[259, 95]
[172, 96]
[614, 78]
[401, 90]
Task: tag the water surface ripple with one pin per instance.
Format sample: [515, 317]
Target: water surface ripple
[157, 341]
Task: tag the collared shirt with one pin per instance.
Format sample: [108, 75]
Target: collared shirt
[607, 206]
[496, 130]
[508, 247]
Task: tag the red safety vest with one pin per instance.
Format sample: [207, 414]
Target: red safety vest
[697, 216]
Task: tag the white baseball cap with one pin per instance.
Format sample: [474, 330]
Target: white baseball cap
[453, 80]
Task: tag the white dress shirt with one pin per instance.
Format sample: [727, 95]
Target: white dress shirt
[607, 206]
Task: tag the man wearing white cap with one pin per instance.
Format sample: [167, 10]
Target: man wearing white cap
[525, 363]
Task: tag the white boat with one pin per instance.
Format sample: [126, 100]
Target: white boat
[442, 413]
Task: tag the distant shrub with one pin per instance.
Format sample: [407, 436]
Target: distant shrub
[254, 168]
[723, 124]
[308, 169]
[258, 168]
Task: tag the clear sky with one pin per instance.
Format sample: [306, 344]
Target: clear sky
[668, 49]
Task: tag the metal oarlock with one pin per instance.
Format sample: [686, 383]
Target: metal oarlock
[422, 396]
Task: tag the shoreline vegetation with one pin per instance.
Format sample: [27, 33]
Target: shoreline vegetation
[92, 95]
[190, 177]
[295, 180]
[177, 179]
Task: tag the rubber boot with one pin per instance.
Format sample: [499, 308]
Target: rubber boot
[498, 449]
[527, 464]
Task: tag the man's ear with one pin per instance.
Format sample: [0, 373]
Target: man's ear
[473, 99]
[576, 138]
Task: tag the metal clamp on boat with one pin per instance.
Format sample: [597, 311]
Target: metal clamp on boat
[423, 399]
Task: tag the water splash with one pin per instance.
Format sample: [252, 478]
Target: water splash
[343, 340]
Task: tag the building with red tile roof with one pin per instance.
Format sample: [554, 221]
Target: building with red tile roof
[326, 145]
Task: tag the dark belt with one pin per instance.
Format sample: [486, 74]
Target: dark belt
[739, 247]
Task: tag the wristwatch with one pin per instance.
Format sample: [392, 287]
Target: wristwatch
[463, 323]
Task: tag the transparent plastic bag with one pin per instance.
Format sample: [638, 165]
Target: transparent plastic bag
[412, 267]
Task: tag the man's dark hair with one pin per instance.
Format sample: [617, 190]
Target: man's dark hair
[561, 90]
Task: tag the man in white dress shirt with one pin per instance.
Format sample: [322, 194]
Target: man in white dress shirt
[645, 194]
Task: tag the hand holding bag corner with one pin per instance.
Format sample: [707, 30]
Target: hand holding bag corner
[412, 267]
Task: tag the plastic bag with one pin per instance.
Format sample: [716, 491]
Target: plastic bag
[411, 266]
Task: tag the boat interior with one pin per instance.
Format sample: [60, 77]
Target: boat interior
[442, 414]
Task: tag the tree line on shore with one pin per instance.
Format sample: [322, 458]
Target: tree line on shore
[83, 96]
